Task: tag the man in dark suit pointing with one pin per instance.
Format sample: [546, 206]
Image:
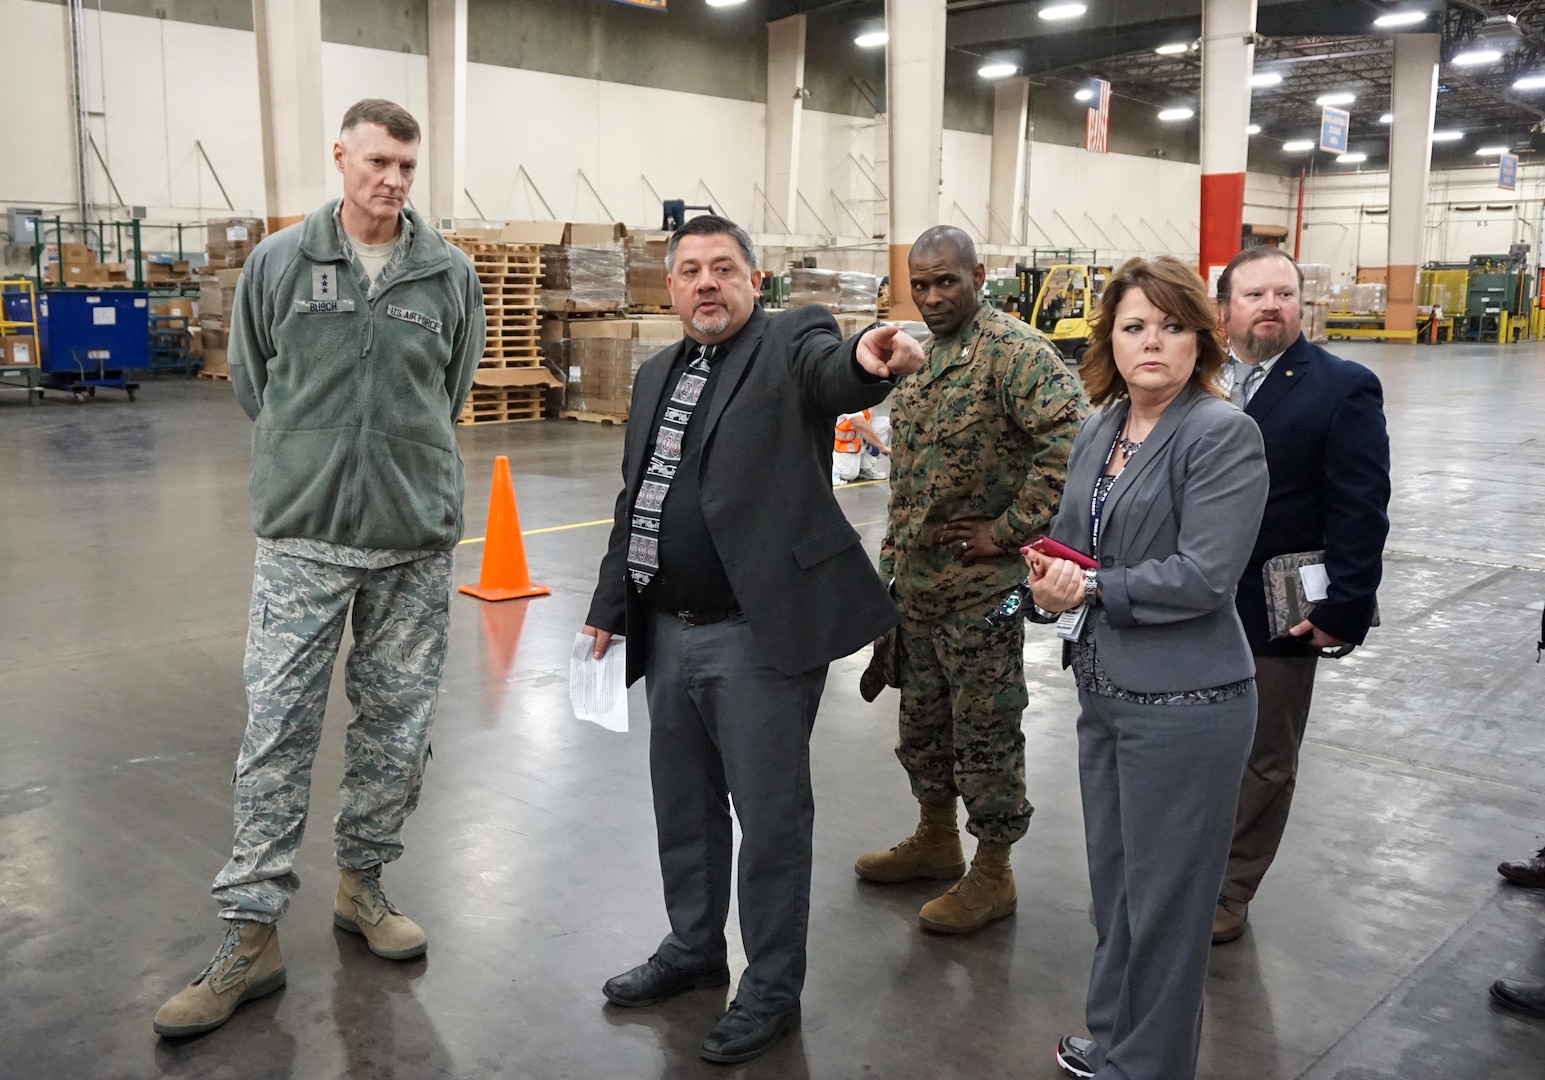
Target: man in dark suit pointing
[1327, 451]
[736, 579]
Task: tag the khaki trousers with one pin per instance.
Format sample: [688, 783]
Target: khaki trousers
[1285, 685]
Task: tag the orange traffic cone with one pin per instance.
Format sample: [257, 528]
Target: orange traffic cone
[504, 576]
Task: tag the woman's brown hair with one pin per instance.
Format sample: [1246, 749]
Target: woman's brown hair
[1175, 289]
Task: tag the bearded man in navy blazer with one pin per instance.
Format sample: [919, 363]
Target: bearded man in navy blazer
[1327, 452]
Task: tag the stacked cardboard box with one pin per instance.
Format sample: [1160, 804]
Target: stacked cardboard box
[602, 356]
[228, 244]
[216, 299]
[835, 290]
[646, 272]
[18, 350]
[587, 271]
[231, 240]
[161, 270]
[511, 380]
[1317, 300]
[77, 265]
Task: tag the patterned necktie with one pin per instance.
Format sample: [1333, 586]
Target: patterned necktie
[1246, 378]
[664, 460]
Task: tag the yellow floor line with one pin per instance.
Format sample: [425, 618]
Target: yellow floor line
[608, 521]
[549, 529]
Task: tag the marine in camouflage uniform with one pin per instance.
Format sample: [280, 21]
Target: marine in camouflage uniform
[354, 359]
[979, 448]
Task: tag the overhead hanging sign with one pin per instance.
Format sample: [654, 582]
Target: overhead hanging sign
[1507, 173]
[652, 5]
[1335, 124]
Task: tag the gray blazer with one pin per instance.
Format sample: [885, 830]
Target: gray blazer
[1178, 528]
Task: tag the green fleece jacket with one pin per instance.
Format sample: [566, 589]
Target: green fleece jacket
[355, 398]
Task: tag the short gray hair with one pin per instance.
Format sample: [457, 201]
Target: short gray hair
[710, 225]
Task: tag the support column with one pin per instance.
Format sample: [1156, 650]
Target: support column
[785, 110]
[1414, 103]
[1010, 120]
[914, 92]
[447, 107]
[1228, 60]
[289, 47]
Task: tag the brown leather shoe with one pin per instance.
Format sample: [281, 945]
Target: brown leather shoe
[1531, 874]
[1228, 921]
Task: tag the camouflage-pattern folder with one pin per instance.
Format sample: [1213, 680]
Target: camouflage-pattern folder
[1286, 604]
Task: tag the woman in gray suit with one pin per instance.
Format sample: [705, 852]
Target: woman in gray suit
[1166, 484]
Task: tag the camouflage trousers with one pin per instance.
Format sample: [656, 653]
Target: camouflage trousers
[962, 698]
[400, 616]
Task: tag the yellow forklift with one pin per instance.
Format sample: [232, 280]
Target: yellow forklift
[1065, 303]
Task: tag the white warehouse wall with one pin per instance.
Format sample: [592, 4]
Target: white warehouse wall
[161, 86]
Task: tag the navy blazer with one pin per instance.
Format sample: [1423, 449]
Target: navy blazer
[1327, 452]
[798, 567]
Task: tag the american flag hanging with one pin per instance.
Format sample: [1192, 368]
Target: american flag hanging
[1097, 124]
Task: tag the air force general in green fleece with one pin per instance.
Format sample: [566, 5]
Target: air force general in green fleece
[354, 341]
[979, 448]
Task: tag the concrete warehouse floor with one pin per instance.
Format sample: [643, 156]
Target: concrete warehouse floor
[124, 585]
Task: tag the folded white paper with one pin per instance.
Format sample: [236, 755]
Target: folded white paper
[598, 688]
[1316, 582]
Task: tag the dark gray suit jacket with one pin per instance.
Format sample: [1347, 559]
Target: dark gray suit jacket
[798, 568]
[1176, 533]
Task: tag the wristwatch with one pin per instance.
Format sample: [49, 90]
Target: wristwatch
[1091, 586]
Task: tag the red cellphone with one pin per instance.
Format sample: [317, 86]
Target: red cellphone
[1045, 545]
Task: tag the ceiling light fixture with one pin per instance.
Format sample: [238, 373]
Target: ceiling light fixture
[1253, 129]
[1266, 78]
[872, 40]
[1340, 97]
[1055, 12]
[1084, 95]
[1297, 146]
[1447, 136]
[1477, 57]
[1387, 118]
[997, 70]
[1172, 50]
[1181, 113]
[1351, 159]
[1407, 18]
[1492, 151]
[724, 3]
[1530, 82]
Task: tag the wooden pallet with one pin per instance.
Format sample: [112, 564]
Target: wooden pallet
[485, 406]
[223, 376]
[650, 309]
[594, 417]
[609, 313]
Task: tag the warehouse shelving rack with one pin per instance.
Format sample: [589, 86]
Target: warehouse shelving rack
[28, 376]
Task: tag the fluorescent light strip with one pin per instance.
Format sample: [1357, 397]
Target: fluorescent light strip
[1172, 50]
[1177, 114]
[1408, 18]
[1266, 78]
[1342, 97]
[1477, 57]
[1058, 12]
[997, 71]
[872, 40]
[1297, 146]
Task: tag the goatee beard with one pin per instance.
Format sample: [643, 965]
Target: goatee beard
[712, 328]
[1264, 346]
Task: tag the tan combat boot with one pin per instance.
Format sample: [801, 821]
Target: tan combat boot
[933, 851]
[362, 908]
[985, 894]
[248, 965]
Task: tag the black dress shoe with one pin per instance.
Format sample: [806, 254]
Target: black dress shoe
[655, 981]
[1531, 874]
[1520, 997]
[741, 1035]
[1074, 1054]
